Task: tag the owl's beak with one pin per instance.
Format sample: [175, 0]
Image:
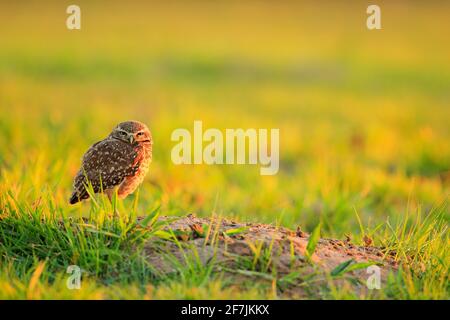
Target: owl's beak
[131, 137]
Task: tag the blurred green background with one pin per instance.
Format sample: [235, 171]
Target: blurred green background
[363, 115]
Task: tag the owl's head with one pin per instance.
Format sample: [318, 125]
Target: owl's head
[132, 132]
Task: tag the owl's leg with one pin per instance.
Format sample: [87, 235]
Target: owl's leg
[110, 194]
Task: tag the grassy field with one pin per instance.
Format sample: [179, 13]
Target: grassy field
[364, 121]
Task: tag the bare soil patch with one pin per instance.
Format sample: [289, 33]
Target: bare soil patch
[233, 246]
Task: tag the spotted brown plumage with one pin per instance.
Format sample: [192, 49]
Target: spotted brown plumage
[120, 161]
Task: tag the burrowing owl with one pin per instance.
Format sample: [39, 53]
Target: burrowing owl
[120, 161]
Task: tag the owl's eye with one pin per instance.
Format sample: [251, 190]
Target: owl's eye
[140, 134]
[123, 133]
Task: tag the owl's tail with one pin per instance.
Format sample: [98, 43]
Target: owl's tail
[78, 196]
[74, 198]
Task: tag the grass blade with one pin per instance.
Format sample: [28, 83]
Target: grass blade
[312, 241]
[151, 218]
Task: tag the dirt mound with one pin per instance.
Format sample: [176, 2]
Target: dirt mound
[248, 250]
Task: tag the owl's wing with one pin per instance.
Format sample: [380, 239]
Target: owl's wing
[105, 165]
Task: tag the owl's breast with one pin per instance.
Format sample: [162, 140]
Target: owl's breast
[142, 162]
[144, 158]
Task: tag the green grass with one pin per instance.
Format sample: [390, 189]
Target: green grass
[37, 248]
[363, 119]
